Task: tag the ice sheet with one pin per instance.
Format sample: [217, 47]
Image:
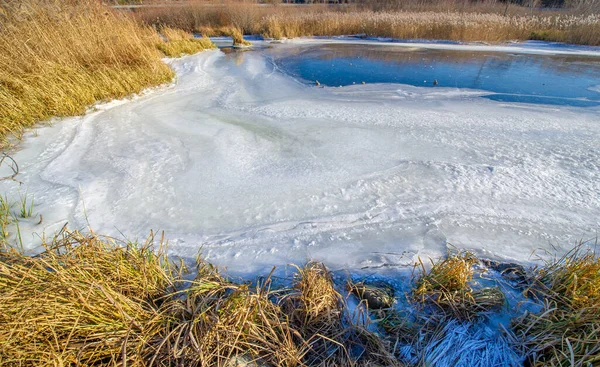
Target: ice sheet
[258, 170]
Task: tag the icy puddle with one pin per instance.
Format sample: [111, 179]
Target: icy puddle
[564, 79]
[258, 169]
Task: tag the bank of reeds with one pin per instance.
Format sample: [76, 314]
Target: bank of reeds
[318, 20]
[59, 57]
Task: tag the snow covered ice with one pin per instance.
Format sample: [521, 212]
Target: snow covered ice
[259, 170]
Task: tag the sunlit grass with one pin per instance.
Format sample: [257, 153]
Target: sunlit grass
[84, 301]
[567, 330]
[89, 300]
[178, 43]
[57, 58]
[452, 21]
[447, 286]
[238, 37]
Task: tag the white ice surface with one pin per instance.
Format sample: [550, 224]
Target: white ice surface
[260, 170]
[529, 47]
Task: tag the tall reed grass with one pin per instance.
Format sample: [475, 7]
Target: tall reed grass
[59, 57]
[491, 24]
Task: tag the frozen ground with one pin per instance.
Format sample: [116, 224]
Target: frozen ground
[259, 170]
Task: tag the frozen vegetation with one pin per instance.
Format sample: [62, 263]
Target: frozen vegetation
[258, 169]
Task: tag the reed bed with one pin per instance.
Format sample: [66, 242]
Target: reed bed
[567, 330]
[456, 24]
[57, 58]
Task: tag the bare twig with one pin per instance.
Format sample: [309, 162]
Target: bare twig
[12, 164]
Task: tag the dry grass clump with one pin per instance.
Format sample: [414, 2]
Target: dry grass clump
[317, 296]
[238, 37]
[179, 42]
[218, 323]
[567, 331]
[332, 337]
[84, 301]
[447, 287]
[57, 58]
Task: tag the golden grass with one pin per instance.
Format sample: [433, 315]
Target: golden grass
[57, 58]
[567, 331]
[452, 21]
[179, 42]
[316, 295]
[84, 301]
[238, 37]
[447, 287]
[87, 300]
[218, 322]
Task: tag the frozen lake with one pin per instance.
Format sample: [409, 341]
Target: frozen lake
[258, 168]
[511, 77]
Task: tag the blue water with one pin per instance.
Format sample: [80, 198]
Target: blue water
[542, 79]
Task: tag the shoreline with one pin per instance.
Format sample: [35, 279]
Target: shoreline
[452, 313]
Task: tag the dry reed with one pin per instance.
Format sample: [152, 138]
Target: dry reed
[238, 37]
[460, 23]
[59, 57]
[87, 300]
[84, 301]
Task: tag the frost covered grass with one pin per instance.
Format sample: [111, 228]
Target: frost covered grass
[567, 330]
[90, 300]
[454, 23]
